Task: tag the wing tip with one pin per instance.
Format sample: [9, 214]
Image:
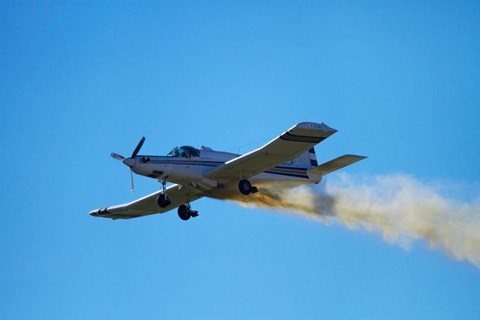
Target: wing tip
[102, 212]
[315, 126]
[312, 129]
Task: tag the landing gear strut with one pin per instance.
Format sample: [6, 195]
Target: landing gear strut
[246, 187]
[185, 212]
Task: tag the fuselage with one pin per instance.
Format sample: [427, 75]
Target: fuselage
[187, 166]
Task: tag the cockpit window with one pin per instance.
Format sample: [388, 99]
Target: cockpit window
[184, 152]
[174, 153]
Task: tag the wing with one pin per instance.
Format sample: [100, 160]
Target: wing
[291, 144]
[148, 205]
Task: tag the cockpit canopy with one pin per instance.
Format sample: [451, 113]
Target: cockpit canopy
[184, 152]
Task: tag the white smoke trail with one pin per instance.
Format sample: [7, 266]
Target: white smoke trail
[398, 207]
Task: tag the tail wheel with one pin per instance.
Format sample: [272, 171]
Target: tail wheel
[184, 212]
[163, 200]
[245, 187]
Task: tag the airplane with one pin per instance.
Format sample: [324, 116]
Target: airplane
[289, 160]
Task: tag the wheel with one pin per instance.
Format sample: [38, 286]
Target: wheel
[163, 200]
[184, 212]
[245, 187]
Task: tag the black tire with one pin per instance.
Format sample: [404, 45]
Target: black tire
[163, 200]
[184, 212]
[245, 187]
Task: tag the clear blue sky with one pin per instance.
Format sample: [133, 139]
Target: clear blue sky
[398, 79]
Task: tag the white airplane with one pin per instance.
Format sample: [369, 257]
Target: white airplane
[288, 160]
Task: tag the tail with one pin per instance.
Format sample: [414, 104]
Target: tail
[309, 160]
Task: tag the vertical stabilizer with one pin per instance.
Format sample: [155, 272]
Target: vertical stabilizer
[306, 160]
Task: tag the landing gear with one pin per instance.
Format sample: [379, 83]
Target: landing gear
[185, 212]
[246, 187]
[163, 200]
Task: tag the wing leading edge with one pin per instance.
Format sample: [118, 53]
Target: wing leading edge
[148, 205]
[289, 145]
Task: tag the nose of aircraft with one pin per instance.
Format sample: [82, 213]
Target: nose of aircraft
[129, 162]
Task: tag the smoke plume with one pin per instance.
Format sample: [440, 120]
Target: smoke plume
[398, 207]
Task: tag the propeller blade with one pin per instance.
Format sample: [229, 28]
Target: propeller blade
[139, 146]
[117, 156]
[132, 186]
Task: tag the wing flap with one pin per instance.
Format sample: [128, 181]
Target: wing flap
[294, 142]
[336, 164]
[148, 204]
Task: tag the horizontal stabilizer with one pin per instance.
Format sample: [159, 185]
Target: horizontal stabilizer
[336, 164]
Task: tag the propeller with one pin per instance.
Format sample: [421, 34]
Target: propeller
[117, 156]
[132, 186]
[137, 149]
[130, 162]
